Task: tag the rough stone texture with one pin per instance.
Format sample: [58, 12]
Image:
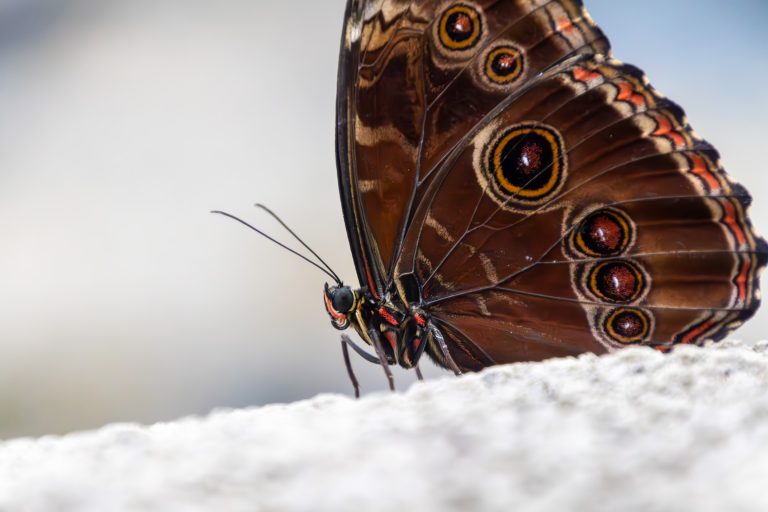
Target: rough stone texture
[633, 431]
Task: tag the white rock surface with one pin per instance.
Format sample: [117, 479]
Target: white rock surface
[633, 431]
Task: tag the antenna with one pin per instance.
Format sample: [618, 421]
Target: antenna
[278, 219]
[328, 272]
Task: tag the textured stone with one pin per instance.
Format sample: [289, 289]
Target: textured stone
[633, 431]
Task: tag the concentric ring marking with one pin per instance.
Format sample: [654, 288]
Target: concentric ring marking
[524, 165]
[603, 233]
[627, 325]
[460, 27]
[616, 281]
[504, 64]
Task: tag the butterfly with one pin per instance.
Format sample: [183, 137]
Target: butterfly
[512, 192]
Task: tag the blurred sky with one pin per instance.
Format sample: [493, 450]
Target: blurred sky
[125, 121]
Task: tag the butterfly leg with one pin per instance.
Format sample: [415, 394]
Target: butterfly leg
[382, 357]
[418, 372]
[444, 349]
[360, 351]
[346, 342]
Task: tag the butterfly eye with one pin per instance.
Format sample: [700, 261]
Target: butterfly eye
[460, 27]
[342, 299]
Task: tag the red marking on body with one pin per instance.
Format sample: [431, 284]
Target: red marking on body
[420, 320]
[666, 129]
[387, 316]
[585, 75]
[732, 220]
[331, 311]
[416, 344]
[627, 93]
[391, 339]
[701, 169]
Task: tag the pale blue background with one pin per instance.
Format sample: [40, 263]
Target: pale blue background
[122, 122]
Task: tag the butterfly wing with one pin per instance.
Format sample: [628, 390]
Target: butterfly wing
[536, 196]
[583, 215]
[409, 91]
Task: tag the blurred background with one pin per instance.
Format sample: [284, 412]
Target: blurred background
[123, 122]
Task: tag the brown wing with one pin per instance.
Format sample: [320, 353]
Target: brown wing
[584, 214]
[415, 77]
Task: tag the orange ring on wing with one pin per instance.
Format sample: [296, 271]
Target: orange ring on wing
[460, 27]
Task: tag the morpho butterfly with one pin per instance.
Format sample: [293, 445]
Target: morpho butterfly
[512, 193]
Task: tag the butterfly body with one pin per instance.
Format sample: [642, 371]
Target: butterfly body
[512, 192]
[404, 331]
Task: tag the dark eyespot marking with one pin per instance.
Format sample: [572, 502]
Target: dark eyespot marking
[524, 165]
[460, 27]
[617, 281]
[503, 65]
[606, 232]
[627, 325]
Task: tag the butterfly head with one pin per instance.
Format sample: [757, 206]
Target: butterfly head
[340, 302]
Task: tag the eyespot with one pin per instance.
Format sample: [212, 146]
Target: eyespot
[503, 65]
[460, 27]
[524, 165]
[604, 233]
[627, 325]
[618, 281]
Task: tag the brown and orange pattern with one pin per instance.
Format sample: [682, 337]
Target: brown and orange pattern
[526, 193]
